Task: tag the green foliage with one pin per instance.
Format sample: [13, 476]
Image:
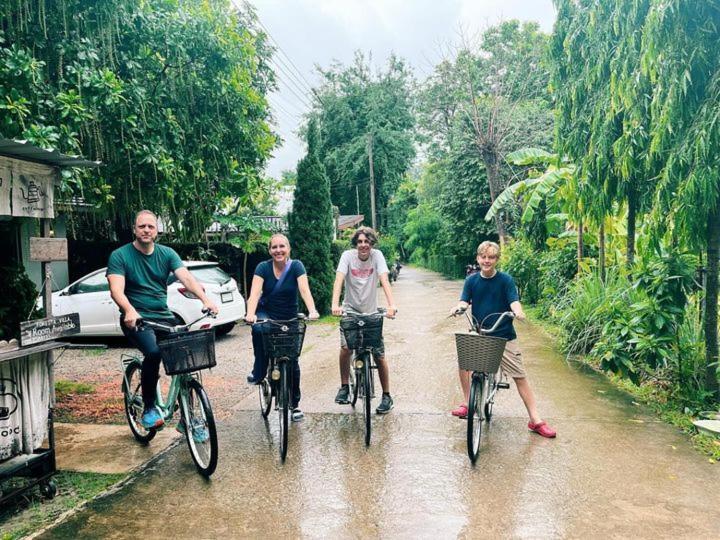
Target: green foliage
[170, 96]
[310, 223]
[17, 303]
[522, 262]
[336, 250]
[558, 266]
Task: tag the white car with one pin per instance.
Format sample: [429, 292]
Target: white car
[99, 315]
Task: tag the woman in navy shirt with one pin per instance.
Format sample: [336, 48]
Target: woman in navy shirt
[273, 295]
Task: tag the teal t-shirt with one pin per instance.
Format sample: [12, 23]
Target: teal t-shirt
[146, 277]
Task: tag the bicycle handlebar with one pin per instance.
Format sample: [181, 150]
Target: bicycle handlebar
[503, 314]
[300, 317]
[380, 311]
[206, 313]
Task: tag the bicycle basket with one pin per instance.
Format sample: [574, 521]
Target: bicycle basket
[188, 352]
[362, 332]
[479, 353]
[285, 340]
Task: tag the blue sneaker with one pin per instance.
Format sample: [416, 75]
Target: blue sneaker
[199, 432]
[152, 419]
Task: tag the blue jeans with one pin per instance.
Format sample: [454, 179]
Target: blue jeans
[260, 366]
[145, 339]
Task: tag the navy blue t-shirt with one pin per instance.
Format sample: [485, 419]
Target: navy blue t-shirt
[491, 295]
[283, 304]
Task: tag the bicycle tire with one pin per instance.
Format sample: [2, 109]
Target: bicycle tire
[200, 430]
[367, 398]
[284, 409]
[489, 402]
[134, 407]
[475, 416]
[354, 382]
[265, 393]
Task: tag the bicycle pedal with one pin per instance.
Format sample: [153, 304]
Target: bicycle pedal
[503, 385]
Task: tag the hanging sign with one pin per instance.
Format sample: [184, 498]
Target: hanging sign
[5, 181]
[41, 330]
[32, 190]
[48, 249]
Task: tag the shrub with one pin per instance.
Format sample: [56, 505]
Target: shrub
[521, 261]
[17, 303]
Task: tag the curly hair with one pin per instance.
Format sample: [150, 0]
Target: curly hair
[369, 233]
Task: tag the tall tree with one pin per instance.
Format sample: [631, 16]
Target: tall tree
[310, 223]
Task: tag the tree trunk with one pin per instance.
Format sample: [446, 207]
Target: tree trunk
[601, 254]
[632, 211]
[493, 173]
[580, 244]
[711, 303]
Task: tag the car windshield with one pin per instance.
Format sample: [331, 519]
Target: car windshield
[210, 274]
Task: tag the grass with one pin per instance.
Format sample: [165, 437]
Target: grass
[653, 397]
[64, 387]
[31, 512]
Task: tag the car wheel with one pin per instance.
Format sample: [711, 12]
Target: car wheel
[224, 329]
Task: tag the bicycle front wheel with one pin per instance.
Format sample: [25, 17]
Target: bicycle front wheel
[475, 415]
[132, 395]
[200, 431]
[354, 382]
[265, 397]
[367, 390]
[284, 408]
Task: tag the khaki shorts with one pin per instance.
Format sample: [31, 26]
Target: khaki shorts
[512, 362]
[377, 351]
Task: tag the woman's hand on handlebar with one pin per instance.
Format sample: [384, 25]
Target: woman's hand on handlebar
[251, 319]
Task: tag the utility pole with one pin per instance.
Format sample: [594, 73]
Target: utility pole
[372, 181]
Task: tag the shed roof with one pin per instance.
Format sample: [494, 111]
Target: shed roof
[28, 151]
[345, 222]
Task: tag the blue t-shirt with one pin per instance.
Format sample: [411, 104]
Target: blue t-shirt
[283, 304]
[491, 295]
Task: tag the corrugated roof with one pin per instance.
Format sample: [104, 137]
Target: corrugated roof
[345, 222]
[30, 152]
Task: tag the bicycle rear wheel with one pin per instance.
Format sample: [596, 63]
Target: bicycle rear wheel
[200, 431]
[265, 397]
[475, 416]
[284, 408]
[132, 395]
[367, 391]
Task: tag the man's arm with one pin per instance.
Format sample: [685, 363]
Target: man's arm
[387, 289]
[191, 284]
[337, 288]
[117, 293]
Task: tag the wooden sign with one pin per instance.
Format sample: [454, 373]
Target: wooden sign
[38, 331]
[48, 249]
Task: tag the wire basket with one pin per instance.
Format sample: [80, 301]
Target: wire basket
[362, 332]
[478, 352]
[284, 340]
[188, 352]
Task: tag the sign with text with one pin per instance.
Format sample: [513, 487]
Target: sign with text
[27, 188]
[48, 249]
[41, 330]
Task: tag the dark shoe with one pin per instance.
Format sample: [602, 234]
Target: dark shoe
[343, 395]
[385, 405]
[253, 380]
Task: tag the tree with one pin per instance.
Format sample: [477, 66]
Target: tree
[310, 223]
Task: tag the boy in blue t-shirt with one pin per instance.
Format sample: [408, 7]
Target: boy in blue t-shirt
[489, 292]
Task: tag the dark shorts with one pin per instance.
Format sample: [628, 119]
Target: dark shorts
[377, 351]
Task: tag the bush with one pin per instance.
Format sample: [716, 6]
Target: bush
[522, 262]
[17, 303]
[558, 267]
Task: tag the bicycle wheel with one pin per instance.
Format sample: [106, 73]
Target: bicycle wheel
[490, 398]
[200, 431]
[367, 391]
[284, 408]
[265, 397]
[354, 382]
[132, 395]
[475, 415]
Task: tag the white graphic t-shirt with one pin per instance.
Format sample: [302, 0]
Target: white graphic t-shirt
[361, 279]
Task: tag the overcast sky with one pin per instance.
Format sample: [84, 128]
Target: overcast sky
[316, 32]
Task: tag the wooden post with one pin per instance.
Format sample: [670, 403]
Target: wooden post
[372, 181]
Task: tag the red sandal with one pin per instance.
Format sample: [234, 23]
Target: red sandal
[541, 428]
[461, 411]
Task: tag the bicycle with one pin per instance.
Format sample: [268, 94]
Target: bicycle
[363, 334]
[482, 354]
[283, 341]
[184, 354]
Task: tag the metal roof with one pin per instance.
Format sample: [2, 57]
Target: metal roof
[30, 152]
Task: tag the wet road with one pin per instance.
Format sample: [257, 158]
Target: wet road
[613, 471]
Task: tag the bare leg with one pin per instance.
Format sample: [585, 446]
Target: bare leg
[384, 373]
[465, 383]
[344, 360]
[526, 393]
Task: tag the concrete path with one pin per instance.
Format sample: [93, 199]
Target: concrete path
[614, 471]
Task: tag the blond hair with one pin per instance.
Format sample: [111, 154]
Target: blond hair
[278, 235]
[486, 246]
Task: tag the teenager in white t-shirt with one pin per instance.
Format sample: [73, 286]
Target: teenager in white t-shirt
[360, 270]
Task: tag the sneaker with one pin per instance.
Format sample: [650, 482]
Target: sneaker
[385, 405]
[253, 380]
[152, 419]
[297, 415]
[200, 433]
[542, 429]
[343, 395]
[461, 411]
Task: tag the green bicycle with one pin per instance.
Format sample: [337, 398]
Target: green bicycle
[184, 355]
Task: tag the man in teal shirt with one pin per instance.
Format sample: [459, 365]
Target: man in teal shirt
[138, 273]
